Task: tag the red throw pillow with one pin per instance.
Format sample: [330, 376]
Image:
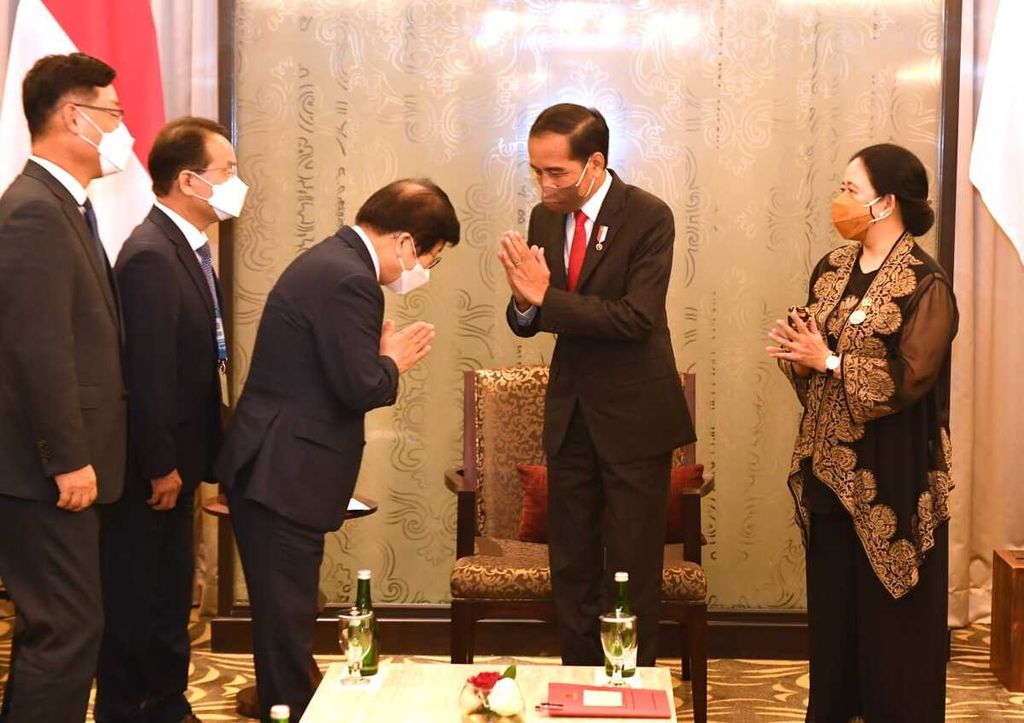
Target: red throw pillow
[533, 522]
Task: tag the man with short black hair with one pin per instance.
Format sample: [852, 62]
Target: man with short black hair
[597, 276]
[176, 357]
[324, 356]
[62, 395]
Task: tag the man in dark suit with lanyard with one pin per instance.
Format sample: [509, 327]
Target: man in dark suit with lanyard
[176, 356]
[597, 275]
[62, 395]
[324, 356]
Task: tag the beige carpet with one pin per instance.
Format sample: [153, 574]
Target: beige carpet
[740, 691]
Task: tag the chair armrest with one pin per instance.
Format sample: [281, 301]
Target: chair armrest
[456, 481]
[465, 514]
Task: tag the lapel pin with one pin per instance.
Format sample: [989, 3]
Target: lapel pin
[602, 232]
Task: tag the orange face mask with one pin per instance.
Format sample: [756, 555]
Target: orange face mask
[853, 218]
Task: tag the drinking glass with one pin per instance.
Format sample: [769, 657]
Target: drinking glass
[355, 636]
[618, 638]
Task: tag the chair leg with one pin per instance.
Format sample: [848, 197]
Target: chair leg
[463, 630]
[684, 656]
[697, 624]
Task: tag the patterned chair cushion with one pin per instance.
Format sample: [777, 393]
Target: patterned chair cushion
[514, 570]
[503, 570]
[683, 581]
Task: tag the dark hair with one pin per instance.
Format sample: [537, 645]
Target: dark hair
[52, 78]
[586, 128]
[180, 146]
[416, 205]
[893, 169]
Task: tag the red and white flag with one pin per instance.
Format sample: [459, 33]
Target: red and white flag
[121, 34]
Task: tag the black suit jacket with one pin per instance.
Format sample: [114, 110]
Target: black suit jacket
[316, 370]
[613, 355]
[171, 355]
[62, 394]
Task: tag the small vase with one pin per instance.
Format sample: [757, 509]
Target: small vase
[474, 707]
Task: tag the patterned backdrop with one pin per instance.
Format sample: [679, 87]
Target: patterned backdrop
[739, 113]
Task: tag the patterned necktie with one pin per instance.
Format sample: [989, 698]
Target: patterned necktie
[206, 261]
[90, 220]
[578, 250]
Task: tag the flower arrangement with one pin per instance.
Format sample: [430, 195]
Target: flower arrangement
[491, 697]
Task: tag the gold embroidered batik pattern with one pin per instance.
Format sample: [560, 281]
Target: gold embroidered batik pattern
[842, 313]
[869, 386]
[836, 411]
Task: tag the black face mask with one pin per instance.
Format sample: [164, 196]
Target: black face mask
[568, 199]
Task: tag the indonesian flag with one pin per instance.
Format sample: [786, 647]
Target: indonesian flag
[997, 159]
[121, 34]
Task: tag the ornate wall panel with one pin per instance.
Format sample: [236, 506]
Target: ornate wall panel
[741, 114]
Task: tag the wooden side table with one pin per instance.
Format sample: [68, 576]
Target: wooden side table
[1006, 656]
[247, 702]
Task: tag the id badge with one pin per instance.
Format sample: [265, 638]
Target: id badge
[222, 375]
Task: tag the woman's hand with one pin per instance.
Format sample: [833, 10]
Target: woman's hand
[801, 344]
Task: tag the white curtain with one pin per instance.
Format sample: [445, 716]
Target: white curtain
[988, 356]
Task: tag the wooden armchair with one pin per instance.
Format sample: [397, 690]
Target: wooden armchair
[497, 576]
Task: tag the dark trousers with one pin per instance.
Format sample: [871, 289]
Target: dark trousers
[872, 656]
[50, 564]
[281, 560]
[604, 518]
[148, 566]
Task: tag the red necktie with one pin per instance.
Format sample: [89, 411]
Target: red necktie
[578, 249]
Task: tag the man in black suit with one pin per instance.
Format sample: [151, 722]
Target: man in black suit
[596, 276]
[62, 395]
[176, 357]
[323, 358]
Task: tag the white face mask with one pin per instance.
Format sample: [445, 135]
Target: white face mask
[409, 279]
[227, 198]
[115, 147]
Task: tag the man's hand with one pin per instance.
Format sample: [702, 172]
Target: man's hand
[165, 491]
[408, 346]
[77, 489]
[526, 269]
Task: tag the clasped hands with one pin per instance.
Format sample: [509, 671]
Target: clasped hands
[526, 269]
[799, 343]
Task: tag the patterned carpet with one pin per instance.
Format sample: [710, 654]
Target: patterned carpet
[740, 691]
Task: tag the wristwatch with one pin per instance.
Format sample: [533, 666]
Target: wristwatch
[832, 362]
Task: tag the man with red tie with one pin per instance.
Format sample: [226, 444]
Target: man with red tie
[596, 275]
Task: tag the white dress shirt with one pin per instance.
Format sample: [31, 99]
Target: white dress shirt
[590, 209]
[370, 248]
[196, 238]
[65, 179]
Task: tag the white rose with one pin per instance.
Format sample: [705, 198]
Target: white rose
[505, 698]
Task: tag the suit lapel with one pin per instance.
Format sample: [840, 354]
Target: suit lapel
[553, 242]
[70, 207]
[186, 255]
[609, 216]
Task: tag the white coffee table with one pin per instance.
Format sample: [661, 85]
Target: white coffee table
[429, 693]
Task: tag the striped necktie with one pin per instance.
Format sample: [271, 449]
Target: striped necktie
[206, 261]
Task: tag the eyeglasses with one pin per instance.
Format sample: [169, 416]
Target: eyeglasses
[433, 262]
[231, 169]
[116, 112]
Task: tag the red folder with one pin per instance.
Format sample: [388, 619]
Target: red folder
[591, 701]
